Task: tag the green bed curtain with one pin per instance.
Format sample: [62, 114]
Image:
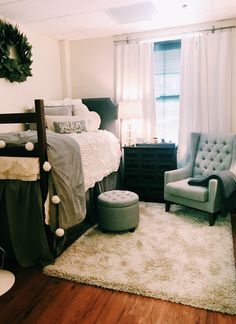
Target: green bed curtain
[22, 231]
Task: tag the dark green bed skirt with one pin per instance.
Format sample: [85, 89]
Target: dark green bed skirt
[22, 230]
[23, 233]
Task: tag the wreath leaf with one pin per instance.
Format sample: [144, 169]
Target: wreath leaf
[18, 68]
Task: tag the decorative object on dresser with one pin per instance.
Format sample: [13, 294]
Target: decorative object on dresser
[172, 256]
[128, 110]
[144, 168]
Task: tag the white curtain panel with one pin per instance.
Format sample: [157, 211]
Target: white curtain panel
[206, 96]
[134, 79]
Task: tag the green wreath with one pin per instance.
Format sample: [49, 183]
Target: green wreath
[16, 68]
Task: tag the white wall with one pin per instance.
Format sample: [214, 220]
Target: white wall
[92, 68]
[46, 82]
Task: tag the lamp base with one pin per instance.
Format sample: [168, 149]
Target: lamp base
[7, 280]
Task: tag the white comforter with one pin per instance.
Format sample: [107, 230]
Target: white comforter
[100, 154]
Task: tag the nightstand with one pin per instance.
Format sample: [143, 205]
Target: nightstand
[144, 168]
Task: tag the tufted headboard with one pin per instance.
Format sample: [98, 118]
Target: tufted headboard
[214, 152]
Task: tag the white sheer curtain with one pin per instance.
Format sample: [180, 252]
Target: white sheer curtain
[206, 85]
[134, 70]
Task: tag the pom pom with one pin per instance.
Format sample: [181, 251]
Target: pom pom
[29, 146]
[55, 199]
[59, 232]
[29, 108]
[47, 166]
[2, 144]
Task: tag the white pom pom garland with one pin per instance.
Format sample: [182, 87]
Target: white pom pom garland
[29, 146]
[47, 166]
[29, 108]
[2, 144]
[55, 199]
[59, 232]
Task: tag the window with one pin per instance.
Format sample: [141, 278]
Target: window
[167, 89]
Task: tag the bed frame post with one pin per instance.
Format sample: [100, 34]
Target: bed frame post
[42, 144]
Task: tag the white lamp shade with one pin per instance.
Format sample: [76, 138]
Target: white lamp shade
[129, 109]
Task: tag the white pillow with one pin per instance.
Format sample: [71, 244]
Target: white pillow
[93, 121]
[68, 101]
[51, 119]
[54, 103]
[79, 109]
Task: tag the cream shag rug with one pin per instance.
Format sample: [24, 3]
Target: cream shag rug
[172, 256]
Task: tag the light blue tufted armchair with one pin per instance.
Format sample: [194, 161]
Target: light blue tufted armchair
[207, 153]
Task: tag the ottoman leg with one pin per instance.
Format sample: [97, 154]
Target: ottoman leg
[132, 229]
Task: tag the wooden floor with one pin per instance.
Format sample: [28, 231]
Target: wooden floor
[36, 298]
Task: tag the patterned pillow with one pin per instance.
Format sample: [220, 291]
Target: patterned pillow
[68, 127]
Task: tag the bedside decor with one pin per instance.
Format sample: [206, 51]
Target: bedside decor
[128, 110]
[171, 256]
[15, 54]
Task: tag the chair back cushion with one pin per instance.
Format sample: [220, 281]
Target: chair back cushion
[214, 153]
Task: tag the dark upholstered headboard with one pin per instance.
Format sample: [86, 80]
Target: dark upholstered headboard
[107, 110]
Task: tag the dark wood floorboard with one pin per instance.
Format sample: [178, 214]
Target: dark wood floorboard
[39, 299]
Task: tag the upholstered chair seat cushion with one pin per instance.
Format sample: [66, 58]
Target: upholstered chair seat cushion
[183, 189]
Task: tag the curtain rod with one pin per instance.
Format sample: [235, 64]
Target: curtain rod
[212, 29]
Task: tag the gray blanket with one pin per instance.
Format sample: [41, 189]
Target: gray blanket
[227, 181]
[66, 177]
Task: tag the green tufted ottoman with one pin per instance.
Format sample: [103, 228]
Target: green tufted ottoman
[118, 210]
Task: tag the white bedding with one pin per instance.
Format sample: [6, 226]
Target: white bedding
[100, 154]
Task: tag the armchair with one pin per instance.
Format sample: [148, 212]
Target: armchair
[208, 153]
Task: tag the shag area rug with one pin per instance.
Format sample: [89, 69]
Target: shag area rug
[173, 256]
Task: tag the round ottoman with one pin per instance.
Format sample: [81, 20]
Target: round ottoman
[118, 210]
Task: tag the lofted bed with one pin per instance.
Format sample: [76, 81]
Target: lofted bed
[51, 200]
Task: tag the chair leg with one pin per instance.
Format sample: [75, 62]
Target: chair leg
[211, 218]
[167, 206]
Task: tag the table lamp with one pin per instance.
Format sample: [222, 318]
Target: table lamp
[128, 110]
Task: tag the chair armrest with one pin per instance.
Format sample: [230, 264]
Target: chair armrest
[178, 174]
[212, 188]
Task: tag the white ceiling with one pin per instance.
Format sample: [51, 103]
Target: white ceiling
[81, 19]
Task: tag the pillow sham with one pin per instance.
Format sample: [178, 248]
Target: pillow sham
[69, 127]
[55, 102]
[52, 111]
[58, 110]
